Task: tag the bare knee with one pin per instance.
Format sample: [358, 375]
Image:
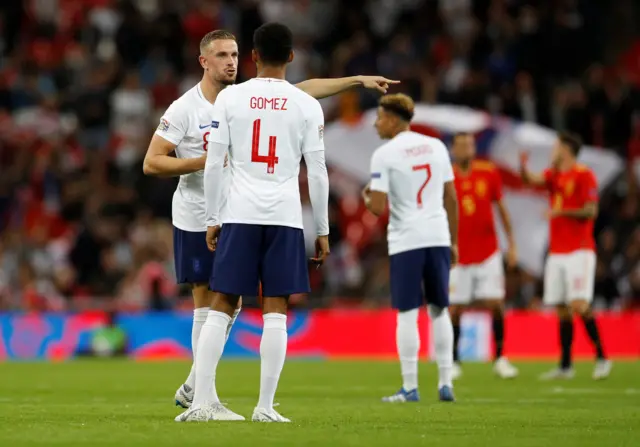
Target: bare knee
[224, 303]
[201, 295]
[580, 307]
[495, 305]
[564, 313]
[455, 311]
[276, 305]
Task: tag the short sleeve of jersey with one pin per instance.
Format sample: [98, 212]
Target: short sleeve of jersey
[314, 127]
[173, 125]
[588, 187]
[219, 119]
[497, 185]
[379, 173]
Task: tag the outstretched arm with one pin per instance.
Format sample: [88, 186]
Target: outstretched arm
[322, 88]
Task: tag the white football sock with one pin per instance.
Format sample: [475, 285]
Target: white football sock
[443, 341]
[273, 350]
[210, 347]
[408, 343]
[199, 317]
[233, 320]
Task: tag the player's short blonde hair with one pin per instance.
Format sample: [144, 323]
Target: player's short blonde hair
[400, 104]
[219, 34]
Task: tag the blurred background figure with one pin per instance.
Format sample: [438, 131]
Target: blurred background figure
[82, 84]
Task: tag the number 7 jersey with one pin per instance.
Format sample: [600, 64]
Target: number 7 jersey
[412, 169]
[268, 125]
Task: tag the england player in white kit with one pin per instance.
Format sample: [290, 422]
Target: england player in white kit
[184, 128]
[266, 126]
[414, 173]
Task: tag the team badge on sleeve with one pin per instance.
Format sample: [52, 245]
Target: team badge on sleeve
[164, 125]
[376, 175]
[321, 131]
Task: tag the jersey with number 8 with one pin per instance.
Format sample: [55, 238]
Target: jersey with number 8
[412, 169]
[263, 121]
[187, 123]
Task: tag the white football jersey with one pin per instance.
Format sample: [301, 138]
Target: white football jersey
[268, 125]
[187, 123]
[412, 169]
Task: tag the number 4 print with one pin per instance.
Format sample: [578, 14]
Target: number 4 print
[270, 159]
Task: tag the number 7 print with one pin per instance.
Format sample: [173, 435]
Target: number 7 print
[427, 168]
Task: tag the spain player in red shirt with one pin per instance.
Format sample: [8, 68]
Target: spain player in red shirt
[479, 276]
[570, 267]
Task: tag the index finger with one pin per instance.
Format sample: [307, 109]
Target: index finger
[390, 81]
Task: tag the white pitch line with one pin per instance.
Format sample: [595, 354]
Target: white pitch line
[563, 390]
[489, 400]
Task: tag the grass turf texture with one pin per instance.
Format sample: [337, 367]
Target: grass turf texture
[330, 403]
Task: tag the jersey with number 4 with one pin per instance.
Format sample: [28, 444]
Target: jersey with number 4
[412, 169]
[268, 124]
[187, 123]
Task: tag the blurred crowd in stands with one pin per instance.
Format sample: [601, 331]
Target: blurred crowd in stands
[84, 82]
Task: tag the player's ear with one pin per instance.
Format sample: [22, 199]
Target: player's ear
[203, 61]
[290, 57]
[254, 56]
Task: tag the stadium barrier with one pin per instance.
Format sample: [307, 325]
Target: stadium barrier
[322, 334]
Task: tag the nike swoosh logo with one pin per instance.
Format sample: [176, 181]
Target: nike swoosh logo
[205, 126]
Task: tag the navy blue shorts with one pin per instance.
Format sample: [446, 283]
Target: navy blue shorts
[248, 255]
[420, 275]
[192, 258]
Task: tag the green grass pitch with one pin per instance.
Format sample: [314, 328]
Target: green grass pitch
[331, 404]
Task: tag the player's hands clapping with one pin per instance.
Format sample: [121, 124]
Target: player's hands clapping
[322, 250]
[378, 83]
[212, 237]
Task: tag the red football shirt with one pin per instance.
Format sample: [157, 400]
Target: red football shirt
[571, 190]
[477, 189]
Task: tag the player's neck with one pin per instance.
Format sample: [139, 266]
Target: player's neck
[567, 165]
[464, 167]
[399, 130]
[273, 72]
[210, 89]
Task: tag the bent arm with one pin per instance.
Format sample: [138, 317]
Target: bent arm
[213, 182]
[588, 211]
[318, 190]
[158, 162]
[528, 177]
[376, 202]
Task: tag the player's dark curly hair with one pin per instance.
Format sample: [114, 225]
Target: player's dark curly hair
[273, 42]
